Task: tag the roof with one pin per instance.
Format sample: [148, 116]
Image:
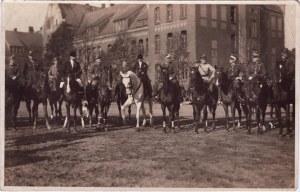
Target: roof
[274, 8]
[108, 15]
[23, 39]
[73, 13]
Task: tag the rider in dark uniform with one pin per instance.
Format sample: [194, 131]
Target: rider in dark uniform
[287, 66]
[12, 71]
[141, 69]
[31, 69]
[73, 70]
[54, 74]
[173, 71]
[256, 67]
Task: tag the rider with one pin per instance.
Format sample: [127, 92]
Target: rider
[141, 69]
[30, 70]
[234, 72]
[54, 74]
[12, 71]
[285, 63]
[256, 67]
[208, 73]
[72, 68]
[172, 76]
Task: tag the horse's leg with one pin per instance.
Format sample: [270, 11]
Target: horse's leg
[52, 108]
[123, 107]
[144, 114]
[226, 116]
[233, 115]
[59, 107]
[129, 112]
[119, 109]
[75, 117]
[138, 109]
[177, 116]
[257, 112]
[67, 119]
[249, 118]
[81, 115]
[46, 113]
[239, 110]
[34, 114]
[173, 118]
[91, 108]
[163, 108]
[28, 106]
[271, 110]
[196, 117]
[288, 119]
[214, 107]
[150, 111]
[205, 118]
[15, 108]
[263, 115]
[278, 114]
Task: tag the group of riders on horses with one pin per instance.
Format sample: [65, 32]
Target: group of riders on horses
[100, 72]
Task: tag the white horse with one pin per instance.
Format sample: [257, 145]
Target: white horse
[135, 91]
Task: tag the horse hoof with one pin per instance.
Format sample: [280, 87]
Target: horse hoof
[48, 127]
[34, 127]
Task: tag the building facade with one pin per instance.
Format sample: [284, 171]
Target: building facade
[20, 43]
[187, 31]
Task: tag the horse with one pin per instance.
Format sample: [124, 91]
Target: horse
[257, 96]
[135, 91]
[228, 93]
[12, 99]
[73, 98]
[283, 94]
[200, 99]
[168, 93]
[55, 99]
[38, 93]
[91, 103]
[103, 104]
[121, 97]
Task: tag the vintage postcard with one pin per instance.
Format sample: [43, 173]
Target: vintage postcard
[149, 95]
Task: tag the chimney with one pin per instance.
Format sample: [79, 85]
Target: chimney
[15, 29]
[112, 5]
[103, 5]
[30, 29]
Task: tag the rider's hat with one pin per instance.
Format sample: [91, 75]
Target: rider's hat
[54, 59]
[168, 56]
[73, 54]
[30, 53]
[255, 54]
[284, 52]
[140, 56]
[232, 57]
[12, 57]
[203, 57]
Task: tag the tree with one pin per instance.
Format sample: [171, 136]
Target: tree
[60, 43]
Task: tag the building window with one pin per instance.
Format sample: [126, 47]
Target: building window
[170, 41]
[253, 32]
[108, 48]
[183, 39]
[169, 13]
[279, 24]
[273, 22]
[157, 15]
[214, 52]
[183, 11]
[214, 12]
[203, 10]
[133, 47]
[233, 43]
[233, 14]
[223, 13]
[141, 46]
[147, 46]
[157, 43]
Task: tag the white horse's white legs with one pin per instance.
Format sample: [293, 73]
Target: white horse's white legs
[138, 109]
[65, 123]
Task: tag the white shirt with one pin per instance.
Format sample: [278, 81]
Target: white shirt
[72, 63]
[204, 71]
[140, 64]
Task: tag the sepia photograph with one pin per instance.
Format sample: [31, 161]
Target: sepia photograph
[149, 95]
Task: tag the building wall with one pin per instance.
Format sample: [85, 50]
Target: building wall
[52, 21]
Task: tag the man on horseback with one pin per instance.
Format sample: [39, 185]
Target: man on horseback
[235, 73]
[285, 64]
[141, 69]
[172, 76]
[256, 67]
[31, 69]
[54, 74]
[208, 73]
[13, 70]
[72, 69]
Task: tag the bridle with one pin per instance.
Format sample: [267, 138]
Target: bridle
[129, 87]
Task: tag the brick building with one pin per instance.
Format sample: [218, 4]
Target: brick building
[20, 43]
[157, 29]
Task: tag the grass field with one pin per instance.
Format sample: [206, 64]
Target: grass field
[122, 157]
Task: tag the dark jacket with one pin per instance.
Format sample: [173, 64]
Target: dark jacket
[235, 71]
[172, 70]
[140, 71]
[73, 72]
[256, 69]
[13, 71]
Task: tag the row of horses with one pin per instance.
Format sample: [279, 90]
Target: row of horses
[253, 95]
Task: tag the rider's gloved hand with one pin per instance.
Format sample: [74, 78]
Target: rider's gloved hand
[250, 77]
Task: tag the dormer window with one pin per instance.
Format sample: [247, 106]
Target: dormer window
[120, 25]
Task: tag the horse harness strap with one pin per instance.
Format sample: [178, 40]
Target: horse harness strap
[137, 88]
[205, 74]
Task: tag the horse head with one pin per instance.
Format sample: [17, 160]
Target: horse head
[164, 73]
[126, 80]
[220, 77]
[41, 84]
[195, 78]
[257, 86]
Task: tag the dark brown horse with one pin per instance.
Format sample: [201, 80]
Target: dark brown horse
[55, 99]
[169, 99]
[103, 104]
[200, 99]
[121, 98]
[283, 94]
[257, 96]
[91, 103]
[229, 94]
[72, 97]
[12, 100]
